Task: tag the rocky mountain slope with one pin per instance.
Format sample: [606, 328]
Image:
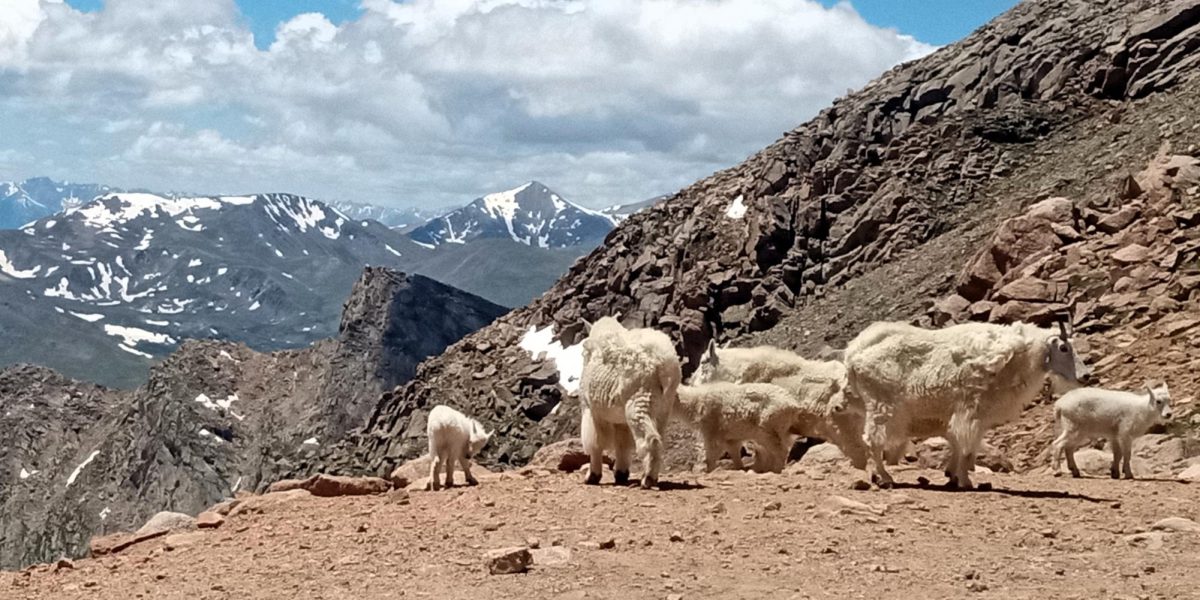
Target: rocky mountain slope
[876, 209]
[26, 201]
[102, 290]
[214, 418]
[531, 214]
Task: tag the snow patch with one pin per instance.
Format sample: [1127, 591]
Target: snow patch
[392, 250]
[312, 441]
[541, 345]
[195, 262]
[90, 318]
[79, 469]
[737, 208]
[8, 268]
[132, 336]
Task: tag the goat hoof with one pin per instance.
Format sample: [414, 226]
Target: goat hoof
[592, 479]
[1129, 476]
[649, 483]
[472, 481]
[622, 477]
[1076, 474]
[1115, 475]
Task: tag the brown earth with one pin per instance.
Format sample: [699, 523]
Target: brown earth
[736, 535]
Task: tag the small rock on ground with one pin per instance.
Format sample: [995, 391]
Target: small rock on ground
[507, 561]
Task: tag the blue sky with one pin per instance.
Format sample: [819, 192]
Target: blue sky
[937, 22]
[434, 102]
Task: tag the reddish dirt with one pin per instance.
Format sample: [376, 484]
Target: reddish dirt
[739, 535]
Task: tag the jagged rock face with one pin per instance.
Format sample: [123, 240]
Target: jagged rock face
[214, 418]
[868, 212]
[390, 324]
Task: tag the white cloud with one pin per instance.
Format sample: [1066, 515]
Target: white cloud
[427, 100]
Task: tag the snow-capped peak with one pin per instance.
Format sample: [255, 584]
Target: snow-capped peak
[530, 214]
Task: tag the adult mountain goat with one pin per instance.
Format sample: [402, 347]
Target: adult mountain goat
[963, 379]
[627, 391]
[820, 385]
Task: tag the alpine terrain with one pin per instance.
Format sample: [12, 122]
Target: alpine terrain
[103, 289]
[1047, 166]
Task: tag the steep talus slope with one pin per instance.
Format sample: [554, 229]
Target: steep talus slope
[214, 418]
[868, 211]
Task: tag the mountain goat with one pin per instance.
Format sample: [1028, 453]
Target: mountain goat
[453, 437]
[819, 384]
[728, 414]
[1119, 416]
[962, 379]
[627, 391]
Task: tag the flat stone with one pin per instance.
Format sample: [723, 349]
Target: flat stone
[209, 520]
[1178, 524]
[1133, 253]
[112, 544]
[554, 556]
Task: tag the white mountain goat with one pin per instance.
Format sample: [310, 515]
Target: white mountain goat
[453, 438]
[963, 380]
[627, 391]
[728, 414]
[820, 385]
[1121, 417]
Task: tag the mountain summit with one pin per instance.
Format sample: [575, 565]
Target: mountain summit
[531, 214]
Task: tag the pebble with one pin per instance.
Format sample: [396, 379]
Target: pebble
[608, 544]
[676, 536]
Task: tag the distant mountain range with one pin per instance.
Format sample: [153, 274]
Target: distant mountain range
[102, 287]
[26, 201]
[532, 214]
[403, 219]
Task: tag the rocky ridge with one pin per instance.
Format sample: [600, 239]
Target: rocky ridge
[214, 418]
[868, 211]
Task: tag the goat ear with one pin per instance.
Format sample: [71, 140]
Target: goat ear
[587, 326]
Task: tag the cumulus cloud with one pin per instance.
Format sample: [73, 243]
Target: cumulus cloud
[428, 101]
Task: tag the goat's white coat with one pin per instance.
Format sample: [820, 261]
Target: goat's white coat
[627, 391]
[958, 382]
[819, 385]
[1120, 417]
[453, 438]
[728, 414]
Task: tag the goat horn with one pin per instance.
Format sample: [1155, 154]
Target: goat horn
[1062, 329]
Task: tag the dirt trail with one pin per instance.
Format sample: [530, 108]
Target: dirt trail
[736, 535]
